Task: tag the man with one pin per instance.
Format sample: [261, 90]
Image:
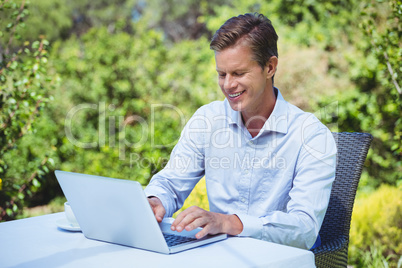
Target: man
[268, 166]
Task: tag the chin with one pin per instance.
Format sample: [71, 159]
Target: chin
[236, 107]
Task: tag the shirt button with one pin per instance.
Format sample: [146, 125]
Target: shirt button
[251, 142]
[243, 200]
[246, 171]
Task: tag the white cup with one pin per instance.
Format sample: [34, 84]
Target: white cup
[70, 215]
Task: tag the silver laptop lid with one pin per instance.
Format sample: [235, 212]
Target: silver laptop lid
[112, 210]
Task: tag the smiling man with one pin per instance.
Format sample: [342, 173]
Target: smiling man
[268, 166]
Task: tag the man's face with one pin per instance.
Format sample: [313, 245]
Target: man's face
[245, 84]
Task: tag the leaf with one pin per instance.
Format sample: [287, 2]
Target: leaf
[35, 44]
[14, 65]
[9, 212]
[45, 169]
[36, 183]
[21, 196]
[51, 161]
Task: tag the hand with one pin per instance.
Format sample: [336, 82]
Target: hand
[212, 223]
[157, 207]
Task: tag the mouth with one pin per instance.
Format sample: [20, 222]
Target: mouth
[235, 95]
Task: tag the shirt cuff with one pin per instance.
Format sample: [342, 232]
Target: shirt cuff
[155, 191]
[252, 226]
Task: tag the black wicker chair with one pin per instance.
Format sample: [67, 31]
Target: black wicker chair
[334, 233]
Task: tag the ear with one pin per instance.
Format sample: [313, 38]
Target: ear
[271, 67]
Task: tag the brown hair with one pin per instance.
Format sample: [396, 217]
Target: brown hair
[255, 29]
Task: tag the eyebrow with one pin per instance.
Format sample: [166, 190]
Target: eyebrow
[235, 71]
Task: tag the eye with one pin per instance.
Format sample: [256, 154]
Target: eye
[238, 74]
[221, 75]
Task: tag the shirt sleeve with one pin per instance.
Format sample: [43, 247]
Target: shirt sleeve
[185, 168]
[314, 174]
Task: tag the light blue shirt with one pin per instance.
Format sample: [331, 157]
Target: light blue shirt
[278, 183]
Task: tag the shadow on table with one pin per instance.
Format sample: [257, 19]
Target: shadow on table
[62, 258]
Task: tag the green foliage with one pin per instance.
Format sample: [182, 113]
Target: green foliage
[23, 94]
[61, 19]
[178, 19]
[51, 19]
[136, 91]
[182, 19]
[105, 69]
[114, 14]
[374, 105]
[374, 258]
[331, 24]
[116, 75]
[135, 95]
[386, 46]
[376, 229]
[54, 206]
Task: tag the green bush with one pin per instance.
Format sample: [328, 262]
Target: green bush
[377, 226]
[24, 86]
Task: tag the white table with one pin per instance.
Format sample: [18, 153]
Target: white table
[38, 242]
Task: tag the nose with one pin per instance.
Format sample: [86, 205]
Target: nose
[229, 83]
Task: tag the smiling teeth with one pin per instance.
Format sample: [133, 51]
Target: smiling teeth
[235, 95]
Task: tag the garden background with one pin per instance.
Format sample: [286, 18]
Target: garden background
[105, 87]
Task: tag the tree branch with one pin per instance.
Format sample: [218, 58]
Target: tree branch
[14, 27]
[391, 72]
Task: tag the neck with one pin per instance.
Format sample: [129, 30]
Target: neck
[254, 121]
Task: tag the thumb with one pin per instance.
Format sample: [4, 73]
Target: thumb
[157, 208]
[159, 213]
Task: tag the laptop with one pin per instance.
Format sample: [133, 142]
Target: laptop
[117, 211]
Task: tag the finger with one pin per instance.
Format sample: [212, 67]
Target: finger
[197, 218]
[198, 222]
[159, 213]
[212, 225]
[186, 217]
[157, 208]
[202, 233]
[178, 219]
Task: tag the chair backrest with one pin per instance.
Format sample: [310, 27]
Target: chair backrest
[352, 152]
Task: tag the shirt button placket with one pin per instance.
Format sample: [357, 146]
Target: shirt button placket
[248, 172]
[244, 185]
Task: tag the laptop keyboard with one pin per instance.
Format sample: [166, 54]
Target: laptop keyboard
[174, 240]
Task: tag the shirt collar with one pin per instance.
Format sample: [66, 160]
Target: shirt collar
[277, 121]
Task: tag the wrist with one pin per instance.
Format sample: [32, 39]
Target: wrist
[232, 225]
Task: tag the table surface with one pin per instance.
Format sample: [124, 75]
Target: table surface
[38, 242]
